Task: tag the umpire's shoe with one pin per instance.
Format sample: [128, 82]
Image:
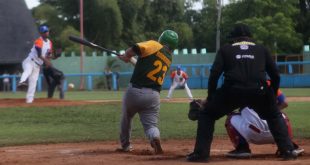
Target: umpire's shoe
[155, 143]
[194, 157]
[288, 155]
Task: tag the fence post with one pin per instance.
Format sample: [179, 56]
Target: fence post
[39, 86]
[14, 83]
[114, 83]
[65, 85]
[89, 82]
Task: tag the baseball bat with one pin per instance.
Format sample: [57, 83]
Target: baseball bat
[79, 40]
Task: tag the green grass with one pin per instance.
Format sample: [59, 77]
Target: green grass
[101, 122]
[112, 95]
[31, 125]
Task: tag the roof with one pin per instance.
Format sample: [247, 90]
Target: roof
[17, 31]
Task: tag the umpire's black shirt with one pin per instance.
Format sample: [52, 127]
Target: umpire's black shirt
[244, 64]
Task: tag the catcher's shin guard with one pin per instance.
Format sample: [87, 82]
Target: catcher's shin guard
[288, 124]
[235, 137]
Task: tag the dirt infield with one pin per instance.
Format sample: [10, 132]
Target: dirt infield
[104, 152]
[43, 102]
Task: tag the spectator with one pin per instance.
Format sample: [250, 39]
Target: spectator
[108, 76]
[6, 82]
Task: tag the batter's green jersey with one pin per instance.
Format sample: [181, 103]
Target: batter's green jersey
[153, 62]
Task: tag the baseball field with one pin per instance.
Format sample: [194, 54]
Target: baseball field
[84, 128]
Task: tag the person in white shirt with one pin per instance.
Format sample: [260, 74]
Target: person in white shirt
[179, 78]
[31, 65]
[6, 83]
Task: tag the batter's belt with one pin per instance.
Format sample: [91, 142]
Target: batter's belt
[141, 87]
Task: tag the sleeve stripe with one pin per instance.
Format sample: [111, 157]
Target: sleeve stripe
[38, 43]
[149, 47]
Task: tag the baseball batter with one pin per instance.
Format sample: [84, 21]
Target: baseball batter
[31, 65]
[247, 127]
[142, 95]
[179, 78]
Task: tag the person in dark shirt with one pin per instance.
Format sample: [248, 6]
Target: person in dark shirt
[54, 77]
[244, 65]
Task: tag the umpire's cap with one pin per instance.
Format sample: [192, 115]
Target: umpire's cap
[240, 30]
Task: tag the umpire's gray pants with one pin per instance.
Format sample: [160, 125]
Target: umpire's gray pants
[145, 102]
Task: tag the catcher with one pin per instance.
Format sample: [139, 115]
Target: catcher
[179, 79]
[247, 127]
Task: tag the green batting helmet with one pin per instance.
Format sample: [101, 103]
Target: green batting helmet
[169, 38]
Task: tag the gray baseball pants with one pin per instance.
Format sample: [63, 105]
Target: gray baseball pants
[145, 102]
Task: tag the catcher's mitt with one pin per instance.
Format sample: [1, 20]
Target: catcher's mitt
[195, 107]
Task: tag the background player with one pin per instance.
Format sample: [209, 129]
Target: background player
[178, 79]
[31, 65]
[54, 77]
[247, 127]
[142, 95]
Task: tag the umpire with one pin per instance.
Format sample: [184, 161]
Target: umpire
[54, 77]
[244, 65]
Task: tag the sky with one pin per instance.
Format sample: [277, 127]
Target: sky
[32, 3]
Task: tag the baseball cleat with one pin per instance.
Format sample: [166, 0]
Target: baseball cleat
[155, 143]
[288, 155]
[125, 149]
[299, 151]
[22, 85]
[239, 153]
[194, 157]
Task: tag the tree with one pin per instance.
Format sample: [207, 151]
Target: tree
[102, 19]
[66, 44]
[303, 19]
[271, 22]
[133, 29]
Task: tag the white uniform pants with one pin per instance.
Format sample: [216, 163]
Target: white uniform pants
[31, 72]
[174, 85]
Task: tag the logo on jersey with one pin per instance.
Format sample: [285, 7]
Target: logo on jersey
[245, 56]
[244, 47]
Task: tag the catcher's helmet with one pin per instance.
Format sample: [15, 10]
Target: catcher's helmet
[43, 29]
[169, 38]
